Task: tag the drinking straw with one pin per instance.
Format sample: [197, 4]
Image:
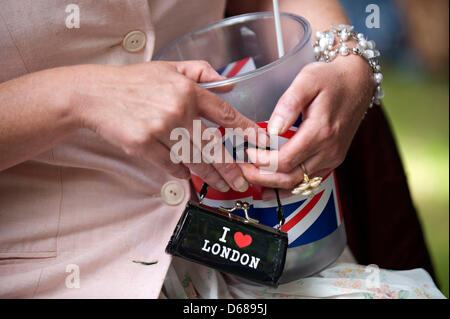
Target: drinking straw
[276, 14]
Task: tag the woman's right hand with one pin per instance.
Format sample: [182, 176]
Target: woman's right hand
[136, 108]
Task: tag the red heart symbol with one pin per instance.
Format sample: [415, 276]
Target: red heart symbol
[242, 240]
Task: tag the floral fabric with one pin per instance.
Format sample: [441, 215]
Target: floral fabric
[342, 280]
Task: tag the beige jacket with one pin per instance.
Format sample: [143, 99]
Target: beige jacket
[73, 219]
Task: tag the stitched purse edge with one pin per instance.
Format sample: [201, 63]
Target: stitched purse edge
[173, 245]
[175, 239]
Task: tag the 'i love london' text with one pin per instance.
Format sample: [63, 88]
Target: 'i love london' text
[228, 253]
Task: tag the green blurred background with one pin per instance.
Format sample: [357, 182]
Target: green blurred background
[417, 107]
[413, 38]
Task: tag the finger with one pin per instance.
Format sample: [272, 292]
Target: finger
[296, 98]
[303, 145]
[202, 72]
[213, 152]
[159, 155]
[314, 166]
[220, 112]
[225, 88]
[233, 175]
[269, 193]
[209, 175]
[210, 159]
[263, 158]
[257, 176]
[319, 165]
[198, 71]
[221, 176]
[185, 144]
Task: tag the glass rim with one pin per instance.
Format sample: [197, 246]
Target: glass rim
[239, 19]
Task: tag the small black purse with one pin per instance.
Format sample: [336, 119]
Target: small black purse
[229, 243]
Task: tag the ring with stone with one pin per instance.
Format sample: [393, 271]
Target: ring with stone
[307, 186]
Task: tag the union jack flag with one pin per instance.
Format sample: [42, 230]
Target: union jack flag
[237, 68]
[308, 219]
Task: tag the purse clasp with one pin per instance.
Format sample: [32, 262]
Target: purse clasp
[238, 205]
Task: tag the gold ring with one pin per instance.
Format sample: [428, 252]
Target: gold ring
[305, 173]
[307, 186]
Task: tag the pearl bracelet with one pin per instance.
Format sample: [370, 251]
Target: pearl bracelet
[326, 49]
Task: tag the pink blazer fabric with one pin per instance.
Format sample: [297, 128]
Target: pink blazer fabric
[76, 221]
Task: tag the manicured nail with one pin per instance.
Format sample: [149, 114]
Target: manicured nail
[240, 184]
[275, 125]
[222, 186]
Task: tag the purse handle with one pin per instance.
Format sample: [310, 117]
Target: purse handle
[244, 206]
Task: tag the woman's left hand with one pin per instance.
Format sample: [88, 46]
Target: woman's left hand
[332, 98]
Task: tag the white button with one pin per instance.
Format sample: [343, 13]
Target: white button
[134, 41]
[172, 192]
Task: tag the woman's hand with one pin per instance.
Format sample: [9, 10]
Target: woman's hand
[136, 108]
[332, 98]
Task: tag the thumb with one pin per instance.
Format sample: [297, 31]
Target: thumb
[299, 95]
[198, 71]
